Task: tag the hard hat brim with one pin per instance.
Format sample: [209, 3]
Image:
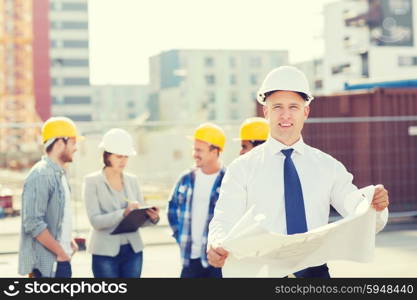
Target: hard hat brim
[193, 138]
[129, 153]
[78, 138]
[261, 96]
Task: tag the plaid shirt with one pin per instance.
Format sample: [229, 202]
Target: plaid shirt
[43, 202]
[179, 214]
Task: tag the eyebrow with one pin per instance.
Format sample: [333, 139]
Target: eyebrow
[293, 103]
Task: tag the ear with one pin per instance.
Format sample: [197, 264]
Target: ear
[306, 111]
[265, 110]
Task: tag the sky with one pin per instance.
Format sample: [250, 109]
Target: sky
[125, 33]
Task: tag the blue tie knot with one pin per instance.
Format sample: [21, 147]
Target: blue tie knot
[287, 152]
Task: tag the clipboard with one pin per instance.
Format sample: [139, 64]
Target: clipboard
[131, 223]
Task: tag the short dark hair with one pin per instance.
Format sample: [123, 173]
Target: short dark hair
[51, 146]
[257, 142]
[106, 159]
[304, 96]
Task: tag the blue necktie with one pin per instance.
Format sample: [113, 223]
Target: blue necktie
[295, 211]
[294, 201]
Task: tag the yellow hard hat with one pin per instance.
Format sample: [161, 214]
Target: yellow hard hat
[210, 133]
[254, 129]
[56, 127]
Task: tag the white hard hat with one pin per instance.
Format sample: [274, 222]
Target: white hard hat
[285, 78]
[118, 141]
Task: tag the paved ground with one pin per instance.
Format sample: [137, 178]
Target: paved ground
[396, 256]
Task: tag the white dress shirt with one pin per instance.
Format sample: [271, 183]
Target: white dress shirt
[257, 179]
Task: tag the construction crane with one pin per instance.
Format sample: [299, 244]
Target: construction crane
[17, 100]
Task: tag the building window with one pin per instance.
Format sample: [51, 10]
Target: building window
[254, 79]
[69, 6]
[209, 61]
[212, 115]
[365, 64]
[233, 79]
[340, 69]
[55, 25]
[318, 84]
[76, 81]
[80, 118]
[210, 79]
[255, 62]
[54, 81]
[75, 44]
[74, 25]
[407, 61]
[131, 116]
[130, 104]
[211, 97]
[77, 100]
[232, 62]
[56, 100]
[233, 97]
[70, 62]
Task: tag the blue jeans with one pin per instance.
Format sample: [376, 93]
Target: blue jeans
[196, 270]
[126, 264]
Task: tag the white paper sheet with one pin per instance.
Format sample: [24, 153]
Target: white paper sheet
[256, 252]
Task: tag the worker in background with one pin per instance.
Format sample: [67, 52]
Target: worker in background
[291, 183]
[253, 132]
[46, 244]
[110, 194]
[193, 199]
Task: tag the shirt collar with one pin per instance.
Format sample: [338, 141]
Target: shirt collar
[53, 164]
[275, 146]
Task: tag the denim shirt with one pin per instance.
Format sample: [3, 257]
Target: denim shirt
[43, 202]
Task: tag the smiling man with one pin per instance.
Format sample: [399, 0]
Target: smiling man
[192, 202]
[292, 184]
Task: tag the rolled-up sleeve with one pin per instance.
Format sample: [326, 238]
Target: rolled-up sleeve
[97, 219]
[35, 202]
[342, 187]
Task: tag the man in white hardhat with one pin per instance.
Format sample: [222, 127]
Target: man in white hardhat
[290, 183]
[110, 194]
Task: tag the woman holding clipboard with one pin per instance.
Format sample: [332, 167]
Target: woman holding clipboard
[110, 195]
